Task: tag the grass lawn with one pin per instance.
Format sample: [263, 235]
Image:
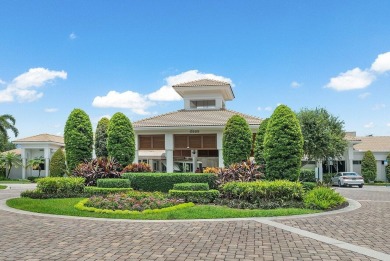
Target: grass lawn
[3, 187]
[22, 181]
[66, 207]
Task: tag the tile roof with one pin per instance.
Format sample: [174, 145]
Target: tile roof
[42, 138]
[202, 82]
[374, 143]
[16, 151]
[184, 118]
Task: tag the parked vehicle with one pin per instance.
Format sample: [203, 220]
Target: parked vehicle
[348, 179]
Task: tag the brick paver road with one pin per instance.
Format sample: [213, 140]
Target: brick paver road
[31, 237]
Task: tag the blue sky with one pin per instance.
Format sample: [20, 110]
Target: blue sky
[105, 56]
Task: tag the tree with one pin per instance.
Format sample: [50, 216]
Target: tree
[101, 138]
[120, 139]
[36, 164]
[323, 135]
[57, 164]
[9, 160]
[236, 140]
[369, 166]
[283, 145]
[5, 144]
[7, 122]
[78, 137]
[388, 168]
[259, 143]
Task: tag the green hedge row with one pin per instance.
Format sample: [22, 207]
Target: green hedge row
[164, 181]
[113, 183]
[59, 185]
[191, 186]
[105, 191]
[204, 196]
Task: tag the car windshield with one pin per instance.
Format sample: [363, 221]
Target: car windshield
[349, 174]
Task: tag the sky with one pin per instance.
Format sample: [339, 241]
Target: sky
[124, 56]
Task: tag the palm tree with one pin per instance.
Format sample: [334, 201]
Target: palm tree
[9, 160]
[7, 122]
[36, 164]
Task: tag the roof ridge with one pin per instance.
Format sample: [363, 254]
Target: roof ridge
[240, 113]
[159, 115]
[194, 81]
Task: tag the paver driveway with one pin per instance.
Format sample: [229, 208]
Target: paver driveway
[32, 237]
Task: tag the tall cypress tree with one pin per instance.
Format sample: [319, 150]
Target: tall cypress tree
[283, 145]
[259, 142]
[78, 137]
[101, 137]
[369, 166]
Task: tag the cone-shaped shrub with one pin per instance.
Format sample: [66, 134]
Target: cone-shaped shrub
[236, 141]
[368, 166]
[283, 145]
[388, 168]
[57, 164]
[78, 137]
[101, 138]
[120, 140]
[259, 143]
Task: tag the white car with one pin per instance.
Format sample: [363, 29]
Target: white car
[348, 179]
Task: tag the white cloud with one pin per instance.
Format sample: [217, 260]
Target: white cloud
[295, 84]
[369, 125]
[126, 100]
[381, 63]
[51, 109]
[72, 36]
[268, 108]
[364, 95]
[388, 124]
[23, 87]
[378, 106]
[351, 80]
[2, 82]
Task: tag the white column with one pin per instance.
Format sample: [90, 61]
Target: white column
[136, 149]
[350, 157]
[24, 163]
[220, 150]
[47, 158]
[194, 155]
[169, 151]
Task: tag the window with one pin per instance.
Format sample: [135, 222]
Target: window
[204, 104]
[357, 162]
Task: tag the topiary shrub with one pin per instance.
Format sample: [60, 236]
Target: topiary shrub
[244, 171]
[101, 137]
[120, 140]
[323, 198]
[236, 140]
[100, 168]
[388, 168]
[137, 167]
[57, 164]
[283, 145]
[259, 144]
[368, 166]
[113, 183]
[57, 185]
[164, 181]
[205, 196]
[307, 175]
[78, 138]
[191, 186]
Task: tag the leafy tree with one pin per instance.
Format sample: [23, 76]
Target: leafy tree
[236, 140]
[120, 140]
[5, 144]
[7, 122]
[57, 164]
[259, 143]
[9, 160]
[283, 145]
[323, 134]
[369, 166]
[101, 137]
[388, 168]
[36, 164]
[78, 137]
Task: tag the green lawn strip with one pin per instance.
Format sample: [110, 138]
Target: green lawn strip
[3, 187]
[66, 207]
[15, 182]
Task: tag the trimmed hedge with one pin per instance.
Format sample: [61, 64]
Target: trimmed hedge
[263, 190]
[57, 185]
[323, 198]
[307, 186]
[91, 191]
[205, 196]
[191, 186]
[164, 181]
[113, 183]
[307, 175]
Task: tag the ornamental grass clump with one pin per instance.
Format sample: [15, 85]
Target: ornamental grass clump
[323, 198]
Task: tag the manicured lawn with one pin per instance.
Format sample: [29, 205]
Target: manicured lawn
[3, 187]
[66, 207]
[22, 181]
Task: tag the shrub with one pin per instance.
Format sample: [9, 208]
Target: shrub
[113, 183]
[205, 196]
[191, 186]
[101, 138]
[260, 204]
[37, 194]
[78, 139]
[57, 164]
[33, 179]
[388, 168]
[120, 140]
[211, 170]
[368, 166]
[244, 171]
[263, 190]
[307, 175]
[137, 167]
[259, 143]
[164, 181]
[307, 186]
[56, 185]
[283, 145]
[236, 140]
[90, 191]
[323, 198]
[99, 168]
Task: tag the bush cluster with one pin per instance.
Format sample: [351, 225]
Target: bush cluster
[211, 170]
[90, 191]
[307, 186]
[113, 183]
[164, 181]
[57, 185]
[57, 164]
[137, 167]
[369, 167]
[203, 196]
[245, 172]
[191, 186]
[260, 204]
[307, 175]
[323, 198]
